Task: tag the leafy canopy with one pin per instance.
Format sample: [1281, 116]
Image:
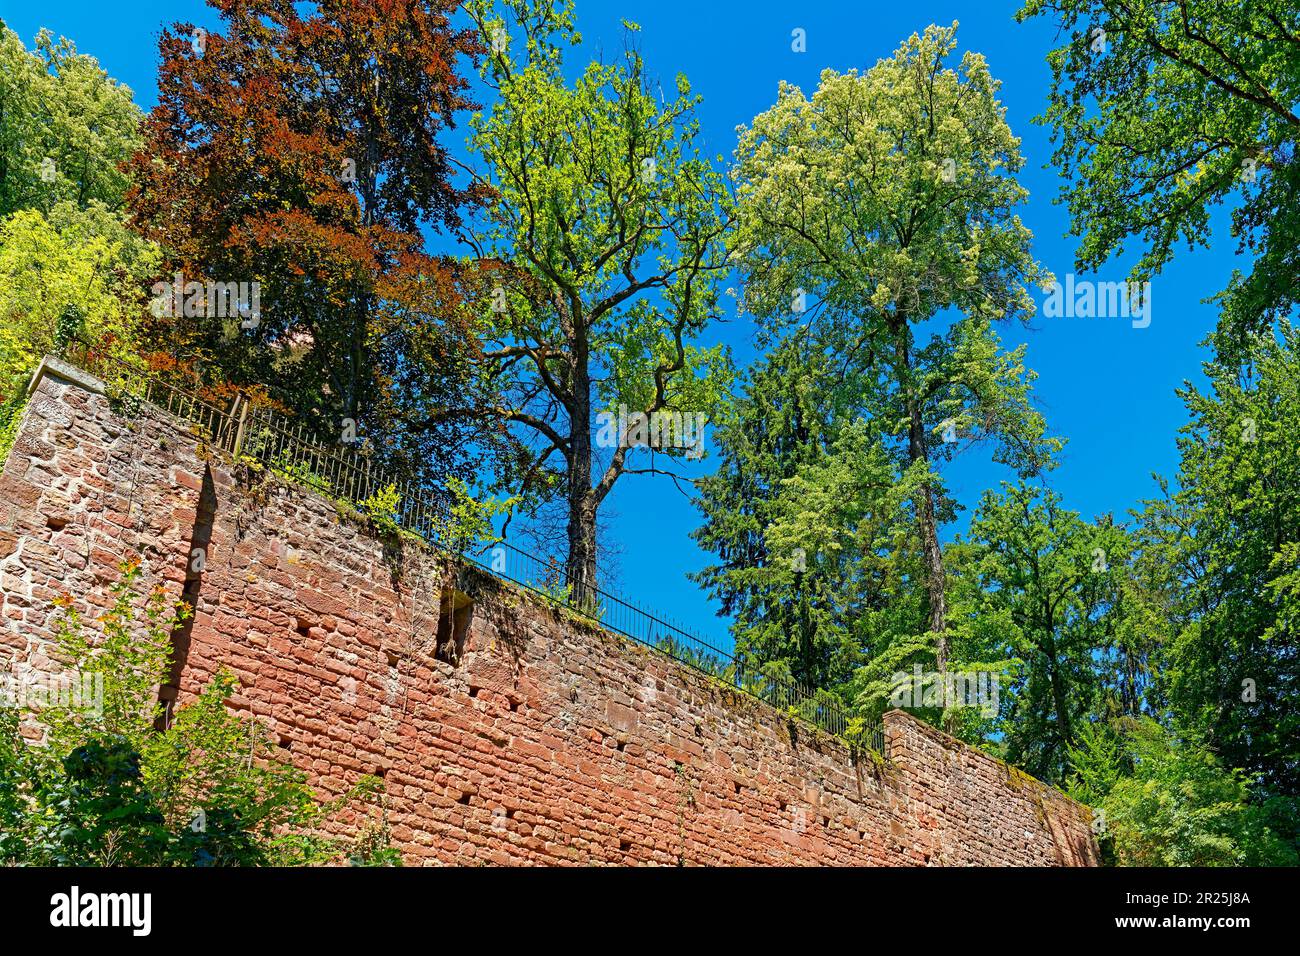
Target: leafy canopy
[66, 127]
[1162, 110]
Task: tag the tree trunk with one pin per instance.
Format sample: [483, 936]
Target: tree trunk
[580, 569]
[918, 450]
[1058, 689]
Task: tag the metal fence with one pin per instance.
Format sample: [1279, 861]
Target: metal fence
[345, 472]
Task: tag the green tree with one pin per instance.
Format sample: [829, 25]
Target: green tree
[884, 201]
[1049, 584]
[1161, 110]
[839, 526]
[71, 261]
[66, 127]
[1165, 799]
[786, 416]
[1229, 536]
[609, 231]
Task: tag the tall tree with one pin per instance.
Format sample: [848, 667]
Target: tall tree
[1162, 109]
[1047, 581]
[66, 127]
[786, 418]
[1230, 536]
[301, 150]
[880, 203]
[610, 229]
[67, 261]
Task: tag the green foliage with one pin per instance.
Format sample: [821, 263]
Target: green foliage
[1177, 107]
[700, 658]
[466, 524]
[105, 787]
[882, 201]
[1166, 800]
[786, 416]
[65, 128]
[915, 134]
[848, 554]
[1229, 538]
[1045, 587]
[469, 521]
[606, 240]
[382, 509]
[11, 417]
[887, 198]
[295, 470]
[83, 260]
[556, 594]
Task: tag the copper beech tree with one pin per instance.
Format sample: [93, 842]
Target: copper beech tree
[296, 156]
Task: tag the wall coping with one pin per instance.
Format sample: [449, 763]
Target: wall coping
[54, 367]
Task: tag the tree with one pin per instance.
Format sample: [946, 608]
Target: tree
[783, 599]
[1161, 110]
[65, 255]
[66, 127]
[1049, 583]
[81, 262]
[1229, 536]
[1165, 800]
[296, 157]
[609, 229]
[885, 201]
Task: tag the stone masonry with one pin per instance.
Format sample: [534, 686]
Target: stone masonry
[507, 732]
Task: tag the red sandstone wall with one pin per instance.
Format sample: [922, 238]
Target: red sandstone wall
[549, 742]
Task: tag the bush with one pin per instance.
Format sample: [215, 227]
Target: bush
[105, 788]
[1166, 800]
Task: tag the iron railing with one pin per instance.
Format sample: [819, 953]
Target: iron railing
[259, 433]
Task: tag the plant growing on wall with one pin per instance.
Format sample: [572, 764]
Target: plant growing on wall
[105, 787]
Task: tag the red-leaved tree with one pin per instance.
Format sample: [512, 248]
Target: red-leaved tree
[291, 170]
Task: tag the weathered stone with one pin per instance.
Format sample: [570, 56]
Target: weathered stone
[601, 751]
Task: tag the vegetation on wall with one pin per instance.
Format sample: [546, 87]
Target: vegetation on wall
[1146, 662]
[103, 786]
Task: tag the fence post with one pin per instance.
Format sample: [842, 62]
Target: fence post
[241, 408]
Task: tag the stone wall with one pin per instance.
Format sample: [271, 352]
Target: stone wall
[541, 740]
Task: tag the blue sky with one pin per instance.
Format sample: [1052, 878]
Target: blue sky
[1107, 387]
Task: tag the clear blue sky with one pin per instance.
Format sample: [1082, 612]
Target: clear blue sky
[1107, 387]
